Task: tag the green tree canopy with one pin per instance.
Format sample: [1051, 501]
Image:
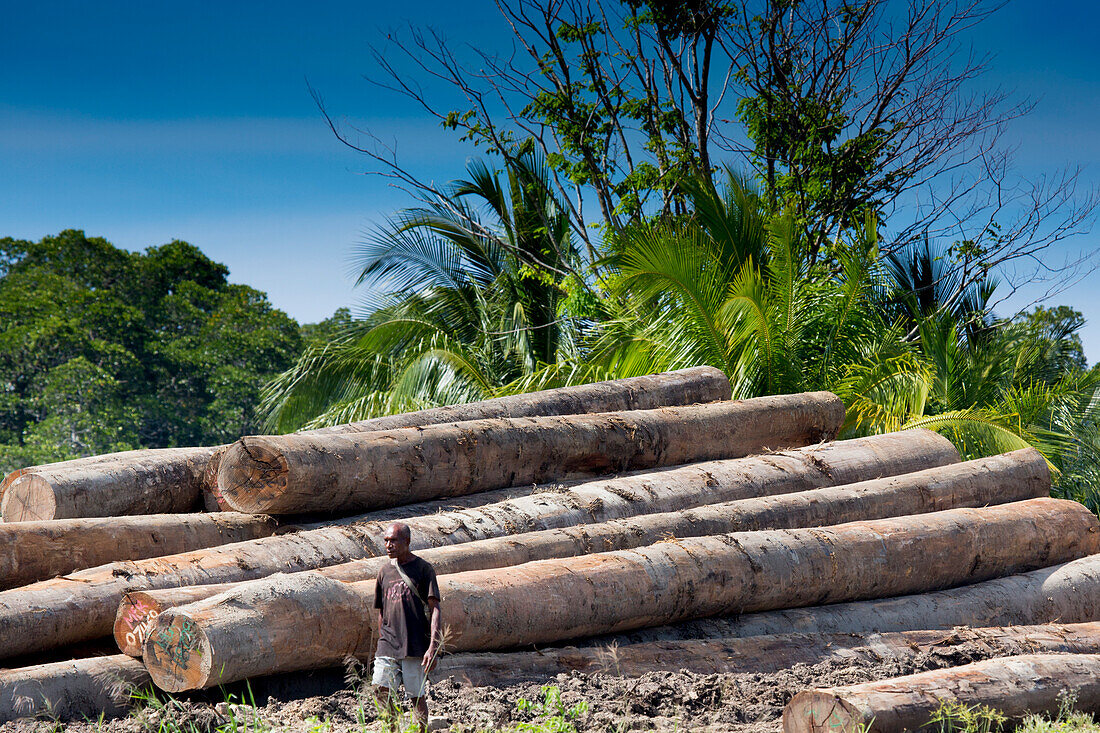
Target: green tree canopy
[104, 349]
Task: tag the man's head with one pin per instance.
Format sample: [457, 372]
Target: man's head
[397, 538]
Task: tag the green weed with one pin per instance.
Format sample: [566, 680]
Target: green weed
[551, 715]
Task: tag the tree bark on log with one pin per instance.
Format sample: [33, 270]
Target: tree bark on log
[683, 487]
[682, 387]
[307, 621]
[81, 688]
[82, 606]
[152, 481]
[1068, 593]
[1016, 686]
[999, 479]
[767, 654]
[31, 551]
[361, 471]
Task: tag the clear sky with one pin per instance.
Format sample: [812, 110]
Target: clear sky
[143, 122]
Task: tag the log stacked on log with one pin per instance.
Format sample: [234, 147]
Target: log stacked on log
[311, 621]
[174, 480]
[31, 551]
[155, 481]
[83, 605]
[291, 474]
[999, 479]
[891, 530]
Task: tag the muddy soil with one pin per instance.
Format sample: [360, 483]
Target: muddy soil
[662, 701]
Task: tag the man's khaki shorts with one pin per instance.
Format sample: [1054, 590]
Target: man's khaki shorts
[391, 673]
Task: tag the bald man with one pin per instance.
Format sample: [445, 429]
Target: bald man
[410, 626]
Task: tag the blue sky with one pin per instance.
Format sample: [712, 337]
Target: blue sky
[143, 122]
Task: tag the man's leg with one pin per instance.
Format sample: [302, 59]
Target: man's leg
[387, 677]
[412, 674]
[420, 712]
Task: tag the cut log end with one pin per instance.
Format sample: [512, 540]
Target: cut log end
[136, 615]
[252, 472]
[818, 711]
[177, 654]
[29, 498]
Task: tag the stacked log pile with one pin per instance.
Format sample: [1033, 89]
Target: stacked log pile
[709, 534]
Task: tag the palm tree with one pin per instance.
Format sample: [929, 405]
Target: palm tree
[463, 296]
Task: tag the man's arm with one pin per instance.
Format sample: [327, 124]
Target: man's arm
[435, 646]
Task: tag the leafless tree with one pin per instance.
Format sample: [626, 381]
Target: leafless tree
[839, 108]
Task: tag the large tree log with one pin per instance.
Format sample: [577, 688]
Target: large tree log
[683, 387]
[153, 481]
[1068, 593]
[999, 479]
[361, 471]
[31, 551]
[290, 622]
[1015, 686]
[767, 654]
[82, 606]
[88, 485]
[83, 688]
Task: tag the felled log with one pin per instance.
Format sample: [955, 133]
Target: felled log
[767, 654]
[72, 690]
[683, 387]
[82, 606]
[999, 479]
[1016, 686]
[298, 473]
[305, 621]
[1068, 593]
[683, 487]
[31, 551]
[152, 481]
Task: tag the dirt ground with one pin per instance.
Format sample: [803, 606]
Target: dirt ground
[663, 701]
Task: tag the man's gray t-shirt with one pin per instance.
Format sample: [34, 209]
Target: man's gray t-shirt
[406, 627]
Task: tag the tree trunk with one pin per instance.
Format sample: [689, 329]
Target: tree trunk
[31, 551]
[999, 479]
[682, 387]
[308, 621]
[681, 487]
[1068, 593]
[154, 481]
[767, 654]
[1016, 686]
[361, 471]
[83, 606]
[72, 690]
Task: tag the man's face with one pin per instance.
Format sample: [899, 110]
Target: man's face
[396, 544]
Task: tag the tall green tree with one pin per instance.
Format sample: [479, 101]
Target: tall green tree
[106, 350]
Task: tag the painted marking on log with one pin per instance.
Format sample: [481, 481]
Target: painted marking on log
[178, 642]
[141, 630]
[138, 611]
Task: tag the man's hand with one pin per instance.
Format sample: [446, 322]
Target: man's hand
[431, 657]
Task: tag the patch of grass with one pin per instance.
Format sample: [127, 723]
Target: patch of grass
[550, 714]
[955, 717]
